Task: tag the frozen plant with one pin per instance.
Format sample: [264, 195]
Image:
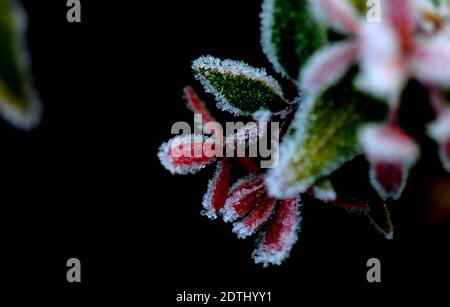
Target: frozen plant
[352, 77]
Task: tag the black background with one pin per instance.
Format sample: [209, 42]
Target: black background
[87, 183]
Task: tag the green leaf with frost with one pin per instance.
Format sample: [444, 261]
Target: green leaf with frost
[238, 87]
[289, 35]
[18, 101]
[322, 137]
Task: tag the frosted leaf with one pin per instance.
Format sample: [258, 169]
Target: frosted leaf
[286, 41]
[19, 102]
[431, 61]
[239, 88]
[257, 217]
[321, 138]
[276, 243]
[216, 195]
[245, 136]
[242, 198]
[187, 154]
[327, 66]
[380, 219]
[439, 130]
[337, 14]
[323, 190]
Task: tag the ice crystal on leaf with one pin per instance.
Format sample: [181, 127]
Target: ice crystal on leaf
[352, 77]
[238, 87]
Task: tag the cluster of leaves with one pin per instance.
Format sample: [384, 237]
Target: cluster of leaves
[350, 75]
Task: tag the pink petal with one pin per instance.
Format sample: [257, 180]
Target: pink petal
[383, 68]
[430, 61]
[244, 195]
[196, 105]
[389, 144]
[401, 16]
[258, 216]
[281, 234]
[391, 153]
[389, 179]
[187, 154]
[337, 14]
[215, 197]
[327, 66]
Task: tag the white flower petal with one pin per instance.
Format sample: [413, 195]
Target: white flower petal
[383, 70]
[327, 66]
[430, 61]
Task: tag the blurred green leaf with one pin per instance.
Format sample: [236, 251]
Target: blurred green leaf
[289, 35]
[322, 137]
[18, 102]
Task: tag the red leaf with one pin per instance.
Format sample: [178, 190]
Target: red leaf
[196, 105]
[281, 234]
[215, 197]
[187, 154]
[243, 197]
[258, 216]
